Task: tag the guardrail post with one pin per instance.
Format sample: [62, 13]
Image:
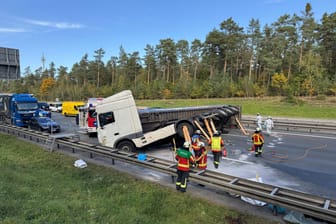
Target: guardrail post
[173, 178]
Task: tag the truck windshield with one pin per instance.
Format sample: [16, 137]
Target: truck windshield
[27, 106]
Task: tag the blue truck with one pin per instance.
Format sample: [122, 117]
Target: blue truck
[17, 109]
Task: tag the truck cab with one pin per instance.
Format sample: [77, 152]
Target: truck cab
[119, 125]
[18, 109]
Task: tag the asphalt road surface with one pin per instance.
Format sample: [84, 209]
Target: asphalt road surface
[297, 161]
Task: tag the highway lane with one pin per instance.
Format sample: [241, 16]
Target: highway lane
[299, 161]
[293, 160]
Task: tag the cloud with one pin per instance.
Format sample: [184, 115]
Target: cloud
[58, 25]
[12, 30]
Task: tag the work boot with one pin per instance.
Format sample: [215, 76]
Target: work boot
[183, 190]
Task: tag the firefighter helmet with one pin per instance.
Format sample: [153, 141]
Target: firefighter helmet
[186, 145]
[200, 144]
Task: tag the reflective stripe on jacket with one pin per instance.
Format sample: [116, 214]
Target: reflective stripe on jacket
[183, 164]
[257, 139]
[202, 162]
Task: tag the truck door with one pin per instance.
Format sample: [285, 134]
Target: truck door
[108, 128]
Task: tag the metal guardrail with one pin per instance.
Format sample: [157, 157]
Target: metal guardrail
[296, 125]
[312, 205]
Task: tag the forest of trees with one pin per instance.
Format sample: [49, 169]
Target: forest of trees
[293, 56]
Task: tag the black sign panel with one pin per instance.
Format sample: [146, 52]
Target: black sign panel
[9, 63]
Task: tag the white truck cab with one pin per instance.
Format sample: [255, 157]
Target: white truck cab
[119, 125]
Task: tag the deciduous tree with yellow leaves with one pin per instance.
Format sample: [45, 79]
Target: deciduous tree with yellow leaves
[46, 85]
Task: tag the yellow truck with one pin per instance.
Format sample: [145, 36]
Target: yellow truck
[70, 108]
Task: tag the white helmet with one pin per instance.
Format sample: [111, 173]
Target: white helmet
[257, 129]
[198, 131]
[186, 144]
[200, 144]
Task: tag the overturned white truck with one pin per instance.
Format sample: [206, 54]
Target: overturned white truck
[123, 126]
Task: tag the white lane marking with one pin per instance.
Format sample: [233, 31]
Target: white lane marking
[237, 160]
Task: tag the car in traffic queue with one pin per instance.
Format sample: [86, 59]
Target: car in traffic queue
[42, 113]
[55, 107]
[44, 124]
[43, 106]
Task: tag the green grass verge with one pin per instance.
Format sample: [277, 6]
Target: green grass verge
[37, 186]
[321, 108]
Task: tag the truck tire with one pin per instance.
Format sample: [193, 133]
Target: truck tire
[126, 146]
[179, 128]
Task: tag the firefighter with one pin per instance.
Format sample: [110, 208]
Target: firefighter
[195, 139]
[217, 143]
[202, 157]
[258, 142]
[184, 160]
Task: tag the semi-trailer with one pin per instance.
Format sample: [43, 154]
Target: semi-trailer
[122, 125]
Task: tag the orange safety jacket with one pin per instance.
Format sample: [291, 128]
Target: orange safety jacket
[258, 139]
[202, 160]
[216, 143]
[183, 164]
[195, 146]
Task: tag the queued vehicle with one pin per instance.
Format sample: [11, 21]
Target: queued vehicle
[43, 110]
[43, 106]
[71, 108]
[42, 113]
[17, 109]
[44, 124]
[55, 107]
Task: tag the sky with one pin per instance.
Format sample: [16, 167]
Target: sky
[63, 31]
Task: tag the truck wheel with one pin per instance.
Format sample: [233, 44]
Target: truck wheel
[126, 146]
[179, 128]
